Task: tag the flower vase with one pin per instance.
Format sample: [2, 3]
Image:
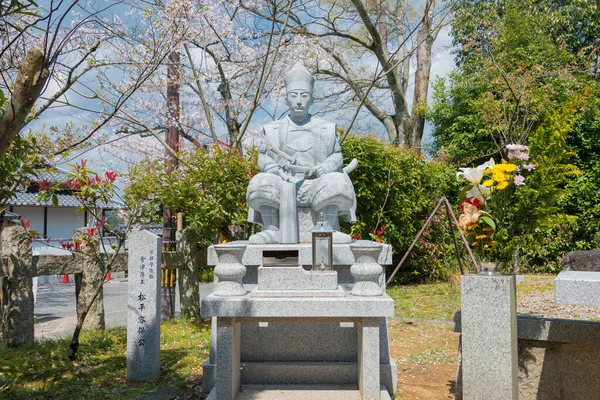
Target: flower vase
[489, 268]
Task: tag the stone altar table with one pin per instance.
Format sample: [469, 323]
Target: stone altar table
[299, 340]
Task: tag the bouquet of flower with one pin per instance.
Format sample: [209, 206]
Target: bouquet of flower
[488, 194]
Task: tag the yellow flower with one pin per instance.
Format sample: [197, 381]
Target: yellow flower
[488, 182]
[474, 243]
[500, 176]
[479, 237]
[508, 167]
[502, 185]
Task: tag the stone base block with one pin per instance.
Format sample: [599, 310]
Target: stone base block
[301, 373]
[295, 278]
[299, 392]
[339, 292]
[577, 287]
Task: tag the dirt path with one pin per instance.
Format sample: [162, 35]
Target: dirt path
[426, 356]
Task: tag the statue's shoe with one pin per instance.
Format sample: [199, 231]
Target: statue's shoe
[265, 237]
[340, 237]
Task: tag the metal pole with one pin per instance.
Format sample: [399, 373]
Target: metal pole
[448, 211]
[415, 241]
[462, 236]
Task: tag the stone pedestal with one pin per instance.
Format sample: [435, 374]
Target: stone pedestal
[232, 369]
[308, 330]
[489, 337]
[577, 287]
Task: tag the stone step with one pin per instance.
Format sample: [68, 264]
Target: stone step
[300, 392]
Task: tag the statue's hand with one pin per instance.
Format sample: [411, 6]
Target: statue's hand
[273, 170]
[319, 171]
[283, 175]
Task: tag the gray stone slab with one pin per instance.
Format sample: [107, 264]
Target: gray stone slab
[339, 292]
[368, 359]
[298, 341]
[143, 307]
[551, 329]
[329, 307]
[228, 358]
[295, 278]
[344, 277]
[341, 254]
[577, 287]
[489, 337]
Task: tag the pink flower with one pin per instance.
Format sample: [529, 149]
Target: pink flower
[529, 167]
[25, 223]
[519, 180]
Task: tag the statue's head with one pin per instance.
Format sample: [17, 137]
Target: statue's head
[298, 92]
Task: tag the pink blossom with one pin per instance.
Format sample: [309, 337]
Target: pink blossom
[529, 167]
[519, 180]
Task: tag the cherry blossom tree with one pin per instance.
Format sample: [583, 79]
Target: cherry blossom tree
[369, 47]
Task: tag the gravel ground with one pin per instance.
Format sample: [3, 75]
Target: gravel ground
[535, 297]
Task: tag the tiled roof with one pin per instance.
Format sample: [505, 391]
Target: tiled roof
[54, 176]
[65, 199]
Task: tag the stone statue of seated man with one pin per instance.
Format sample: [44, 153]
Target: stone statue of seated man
[301, 162]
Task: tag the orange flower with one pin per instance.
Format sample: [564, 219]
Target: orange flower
[470, 216]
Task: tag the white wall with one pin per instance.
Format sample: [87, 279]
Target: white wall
[62, 221]
[34, 214]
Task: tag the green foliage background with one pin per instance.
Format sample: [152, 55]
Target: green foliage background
[209, 187]
[398, 188]
[527, 74]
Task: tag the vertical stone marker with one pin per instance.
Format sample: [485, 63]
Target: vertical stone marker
[143, 307]
[489, 337]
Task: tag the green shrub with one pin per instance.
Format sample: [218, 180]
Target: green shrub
[396, 190]
[209, 187]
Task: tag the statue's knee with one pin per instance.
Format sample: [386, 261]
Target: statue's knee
[264, 189]
[333, 189]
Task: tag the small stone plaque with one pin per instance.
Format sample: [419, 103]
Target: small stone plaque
[143, 307]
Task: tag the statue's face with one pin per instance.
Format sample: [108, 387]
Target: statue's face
[299, 102]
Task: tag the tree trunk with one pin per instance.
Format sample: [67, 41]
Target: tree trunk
[425, 39]
[31, 79]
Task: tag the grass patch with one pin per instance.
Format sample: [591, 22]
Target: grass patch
[536, 284]
[436, 301]
[42, 370]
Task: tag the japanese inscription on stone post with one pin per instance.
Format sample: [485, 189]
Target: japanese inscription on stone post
[143, 311]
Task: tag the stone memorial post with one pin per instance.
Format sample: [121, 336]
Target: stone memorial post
[92, 274]
[143, 307]
[16, 322]
[189, 293]
[489, 337]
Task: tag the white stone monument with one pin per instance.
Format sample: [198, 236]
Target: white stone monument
[276, 320]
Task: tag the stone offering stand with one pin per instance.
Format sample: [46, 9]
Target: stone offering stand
[277, 323]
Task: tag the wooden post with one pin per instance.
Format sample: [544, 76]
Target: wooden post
[167, 302]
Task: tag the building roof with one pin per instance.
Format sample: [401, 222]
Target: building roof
[65, 199]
